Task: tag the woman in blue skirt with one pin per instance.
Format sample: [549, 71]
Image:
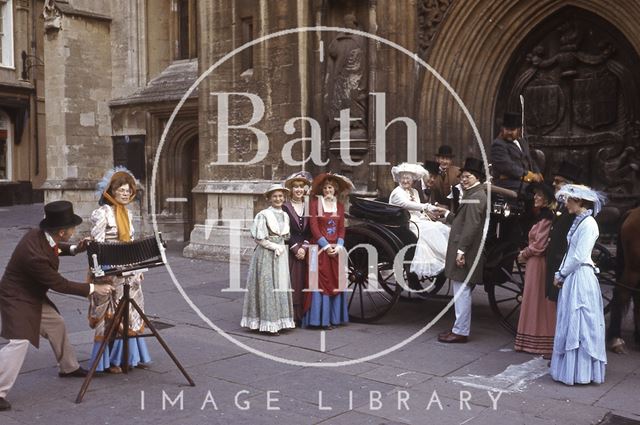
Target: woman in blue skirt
[579, 355]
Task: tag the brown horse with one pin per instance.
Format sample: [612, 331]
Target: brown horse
[628, 276]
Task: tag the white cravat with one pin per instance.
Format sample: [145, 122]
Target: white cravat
[517, 144]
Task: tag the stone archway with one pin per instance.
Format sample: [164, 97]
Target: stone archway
[177, 175]
[473, 49]
[579, 77]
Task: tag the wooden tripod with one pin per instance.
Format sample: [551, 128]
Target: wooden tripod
[122, 316]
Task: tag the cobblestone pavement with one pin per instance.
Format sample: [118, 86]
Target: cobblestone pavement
[423, 381]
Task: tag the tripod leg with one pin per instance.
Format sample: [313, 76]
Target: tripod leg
[125, 329]
[117, 317]
[161, 341]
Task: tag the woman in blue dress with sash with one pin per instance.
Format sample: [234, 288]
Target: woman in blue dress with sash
[579, 355]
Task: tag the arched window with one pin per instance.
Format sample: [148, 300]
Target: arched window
[6, 139]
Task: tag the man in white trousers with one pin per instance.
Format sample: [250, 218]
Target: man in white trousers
[464, 247]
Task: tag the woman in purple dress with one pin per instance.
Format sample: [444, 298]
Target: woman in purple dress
[300, 237]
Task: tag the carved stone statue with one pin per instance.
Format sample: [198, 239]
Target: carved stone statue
[52, 16]
[346, 82]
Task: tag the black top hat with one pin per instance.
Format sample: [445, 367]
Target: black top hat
[474, 166]
[546, 189]
[59, 215]
[569, 171]
[512, 120]
[432, 167]
[445, 150]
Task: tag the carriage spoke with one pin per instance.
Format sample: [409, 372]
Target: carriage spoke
[506, 299]
[353, 293]
[361, 302]
[508, 288]
[511, 312]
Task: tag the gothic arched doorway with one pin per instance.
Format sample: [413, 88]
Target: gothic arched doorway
[579, 77]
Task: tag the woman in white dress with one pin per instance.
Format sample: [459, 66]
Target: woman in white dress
[579, 355]
[268, 306]
[433, 236]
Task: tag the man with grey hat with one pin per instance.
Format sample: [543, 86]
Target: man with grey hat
[511, 164]
[27, 313]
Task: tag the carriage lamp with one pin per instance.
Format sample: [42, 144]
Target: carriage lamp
[507, 210]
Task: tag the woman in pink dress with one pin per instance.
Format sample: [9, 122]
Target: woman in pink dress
[536, 326]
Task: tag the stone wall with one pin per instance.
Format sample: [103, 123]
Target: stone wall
[78, 88]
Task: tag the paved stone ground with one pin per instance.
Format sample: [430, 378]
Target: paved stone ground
[418, 383]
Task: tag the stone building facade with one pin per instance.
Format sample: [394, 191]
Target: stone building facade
[115, 70]
[22, 126]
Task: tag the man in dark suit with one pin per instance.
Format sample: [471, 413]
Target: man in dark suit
[425, 185]
[568, 173]
[447, 176]
[463, 249]
[511, 164]
[27, 313]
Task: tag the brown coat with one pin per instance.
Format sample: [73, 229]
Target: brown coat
[442, 185]
[466, 234]
[31, 272]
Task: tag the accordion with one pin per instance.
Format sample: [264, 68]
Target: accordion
[124, 258]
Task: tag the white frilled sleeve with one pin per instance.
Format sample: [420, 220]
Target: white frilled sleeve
[99, 224]
[402, 199]
[580, 247]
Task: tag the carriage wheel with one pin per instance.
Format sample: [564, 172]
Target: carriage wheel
[604, 261]
[505, 298]
[368, 303]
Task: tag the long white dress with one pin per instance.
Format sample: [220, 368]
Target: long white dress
[579, 352]
[101, 308]
[433, 236]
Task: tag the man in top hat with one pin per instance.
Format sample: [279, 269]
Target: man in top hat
[511, 163]
[27, 313]
[447, 175]
[568, 173]
[464, 247]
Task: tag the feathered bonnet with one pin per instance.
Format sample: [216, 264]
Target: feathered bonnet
[578, 191]
[105, 183]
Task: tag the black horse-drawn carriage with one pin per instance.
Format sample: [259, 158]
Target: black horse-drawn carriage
[381, 245]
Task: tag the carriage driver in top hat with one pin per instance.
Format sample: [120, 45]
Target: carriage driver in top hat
[511, 164]
[27, 313]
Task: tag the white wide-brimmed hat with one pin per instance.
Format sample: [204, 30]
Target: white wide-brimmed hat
[275, 187]
[417, 171]
[299, 176]
[578, 191]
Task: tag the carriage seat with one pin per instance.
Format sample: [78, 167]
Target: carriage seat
[379, 212]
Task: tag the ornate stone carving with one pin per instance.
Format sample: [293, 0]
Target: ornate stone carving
[430, 14]
[579, 77]
[345, 87]
[52, 16]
